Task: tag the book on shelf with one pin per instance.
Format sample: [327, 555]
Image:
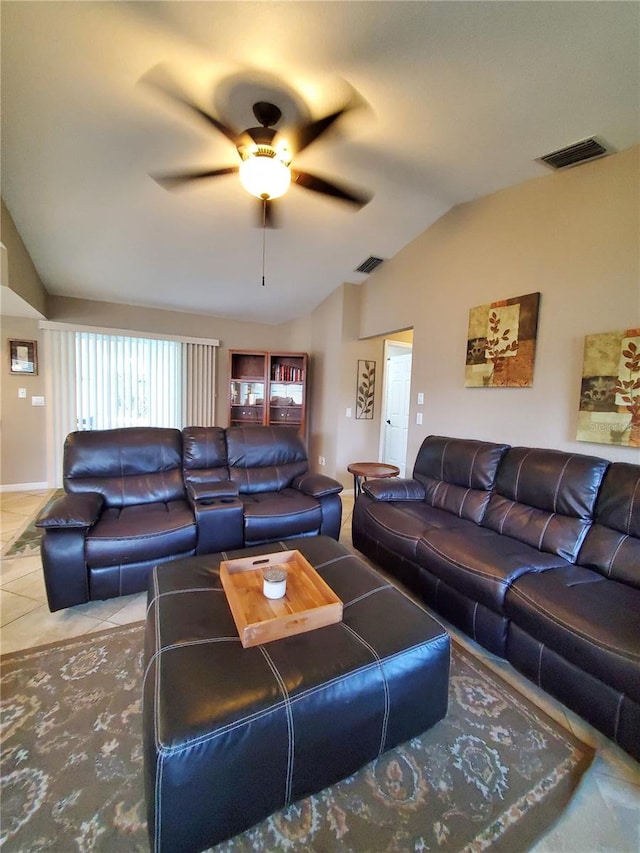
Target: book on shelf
[287, 373]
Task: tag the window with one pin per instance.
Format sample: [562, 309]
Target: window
[102, 379]
[125, 381]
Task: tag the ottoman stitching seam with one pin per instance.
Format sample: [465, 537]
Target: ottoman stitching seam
[385, 719]
[189, 643]
[334, 560]
[290, 729]
[367, 594]
[160, 756]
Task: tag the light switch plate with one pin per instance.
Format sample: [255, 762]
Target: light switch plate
[348, 413]
[22, 392]
[420, 398]
[419, 418]
[37, 401]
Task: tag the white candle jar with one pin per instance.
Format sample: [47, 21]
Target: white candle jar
[274, 584]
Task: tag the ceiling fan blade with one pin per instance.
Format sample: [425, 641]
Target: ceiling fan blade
[342, 192]
[174, 180]
[158, 78]
[304, 136]
[267, 214]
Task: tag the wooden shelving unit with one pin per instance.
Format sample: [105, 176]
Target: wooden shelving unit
[268, 388]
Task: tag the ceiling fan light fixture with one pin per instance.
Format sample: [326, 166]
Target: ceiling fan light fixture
[264, 174]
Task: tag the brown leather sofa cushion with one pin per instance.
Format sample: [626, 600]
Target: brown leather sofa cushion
[587, 619]
[545, 498]
[457, 474]
[127, 466]
[135, 534]
[612, 546]
[257, 465]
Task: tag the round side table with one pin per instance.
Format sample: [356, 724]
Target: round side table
[374, 470]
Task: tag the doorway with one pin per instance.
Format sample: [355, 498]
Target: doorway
[394, 429]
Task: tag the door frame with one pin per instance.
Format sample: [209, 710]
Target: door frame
[388, 344]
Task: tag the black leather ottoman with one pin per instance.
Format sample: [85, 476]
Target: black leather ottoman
[232, 735]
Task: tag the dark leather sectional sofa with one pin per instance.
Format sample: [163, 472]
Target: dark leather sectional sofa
[533, 553]
[141, 496]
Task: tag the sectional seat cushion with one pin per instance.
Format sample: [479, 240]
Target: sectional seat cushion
[136, 534]
[612, 546]
[289, 511]
[400, 525]
[587, 619]
[480, 563]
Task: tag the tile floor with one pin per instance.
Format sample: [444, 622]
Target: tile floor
[603, 817]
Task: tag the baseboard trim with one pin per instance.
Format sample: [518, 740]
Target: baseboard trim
[25, 487]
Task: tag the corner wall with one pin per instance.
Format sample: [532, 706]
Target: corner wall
[573, 236]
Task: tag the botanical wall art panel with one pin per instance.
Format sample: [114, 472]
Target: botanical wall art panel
[365, 389]
[610, 391]
[501, 344]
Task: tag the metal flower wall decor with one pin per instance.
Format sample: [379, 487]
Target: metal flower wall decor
[366, 389]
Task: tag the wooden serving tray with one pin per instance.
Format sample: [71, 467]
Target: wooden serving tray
[308, 603]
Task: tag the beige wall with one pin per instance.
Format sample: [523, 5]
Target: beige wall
[23, 277]
[573, 236]
[336, 349]
[23, 437]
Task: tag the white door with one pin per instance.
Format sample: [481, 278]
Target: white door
[395, 422]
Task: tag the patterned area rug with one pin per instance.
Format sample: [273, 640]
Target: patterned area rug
[28, 542]
[495, 773]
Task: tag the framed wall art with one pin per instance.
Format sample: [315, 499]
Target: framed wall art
[23, 357]
[609, 410]
[501, 343]
[366, 387]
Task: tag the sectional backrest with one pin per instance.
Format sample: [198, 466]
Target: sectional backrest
[612, 545]
[458, 473]
[545, 498]
[204, 455]
[132, 465]
[265, 459]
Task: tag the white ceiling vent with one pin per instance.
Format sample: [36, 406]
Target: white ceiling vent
[573, 155]
[369, 265]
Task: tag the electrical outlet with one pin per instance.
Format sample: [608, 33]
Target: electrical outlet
[420, 398]
[419, 418]
[348, 413]
[322, 461]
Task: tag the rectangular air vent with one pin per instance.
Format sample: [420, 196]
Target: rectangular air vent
[572, 155]
[369, 265]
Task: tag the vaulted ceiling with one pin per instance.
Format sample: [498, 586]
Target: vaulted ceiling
[460, 99]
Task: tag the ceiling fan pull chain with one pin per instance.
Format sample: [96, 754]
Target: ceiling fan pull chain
[264, 231]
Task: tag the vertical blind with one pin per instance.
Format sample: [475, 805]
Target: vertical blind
[102, 380]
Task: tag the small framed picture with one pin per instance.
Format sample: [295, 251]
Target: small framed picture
[23, 357]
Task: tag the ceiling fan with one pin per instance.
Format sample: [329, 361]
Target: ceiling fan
[266, 155]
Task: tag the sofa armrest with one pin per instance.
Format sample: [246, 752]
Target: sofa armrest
[394, 489]
[202, 493]
[317, 485]
[72, 511]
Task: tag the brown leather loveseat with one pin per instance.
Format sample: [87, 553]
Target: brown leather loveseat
[141, 496]
[533, 553]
